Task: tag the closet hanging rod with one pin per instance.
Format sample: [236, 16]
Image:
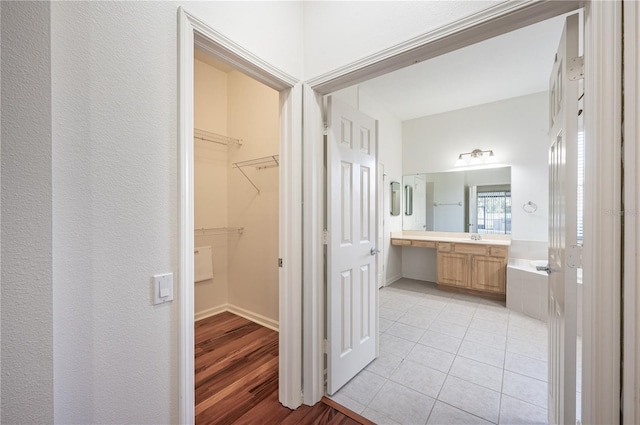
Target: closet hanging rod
[259, 164]
[220, 139]
[204, 231]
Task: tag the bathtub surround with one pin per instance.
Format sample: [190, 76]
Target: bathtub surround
[528, 249]
[527, 289]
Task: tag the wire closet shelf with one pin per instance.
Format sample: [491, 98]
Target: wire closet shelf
[210, 231]
[220, 139]
[263, 163]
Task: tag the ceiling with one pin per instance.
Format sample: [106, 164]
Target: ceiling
[514, 64]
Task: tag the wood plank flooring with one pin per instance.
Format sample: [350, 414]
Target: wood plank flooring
[236, 376]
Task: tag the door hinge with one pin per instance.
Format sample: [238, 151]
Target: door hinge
[325, 237]
[574, 256]
[325, 346]
[575, 68]
[325, 128]
[279, 262]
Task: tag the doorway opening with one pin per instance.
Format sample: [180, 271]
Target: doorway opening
[236, 208]
[412, 317]
[267, 173]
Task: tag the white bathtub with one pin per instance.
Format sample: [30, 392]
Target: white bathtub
[527, 289]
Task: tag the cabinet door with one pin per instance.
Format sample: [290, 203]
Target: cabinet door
[488, 274]
[453, 269]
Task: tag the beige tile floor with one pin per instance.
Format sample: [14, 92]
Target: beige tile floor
[451, 359]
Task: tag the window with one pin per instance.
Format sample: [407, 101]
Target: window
[494, 212]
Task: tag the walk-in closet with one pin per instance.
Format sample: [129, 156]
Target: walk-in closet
[236, 144]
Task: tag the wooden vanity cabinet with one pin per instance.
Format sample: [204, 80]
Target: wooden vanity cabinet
[481, 268]
[488, 274]
[470, 267]
[453, 269]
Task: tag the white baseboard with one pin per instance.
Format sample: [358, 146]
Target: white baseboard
[210, 312]
[239, 311]
[418, 276]
[393, 279]
[254, 317]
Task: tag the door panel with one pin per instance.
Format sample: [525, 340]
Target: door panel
[488, 274]
[452, 269]
[351, 251]
[563, 158]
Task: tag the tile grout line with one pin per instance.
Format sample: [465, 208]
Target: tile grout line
[468, 327]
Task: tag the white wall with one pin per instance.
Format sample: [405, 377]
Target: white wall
[516, 130]
[26, 225]
[390, 154]
[338, 33]
[114, 81]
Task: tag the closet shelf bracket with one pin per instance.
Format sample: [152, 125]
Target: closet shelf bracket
[259, 164]
[220, 139]
[208, 231]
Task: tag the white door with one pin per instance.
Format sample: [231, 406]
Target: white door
[351, 251]
[563, 159]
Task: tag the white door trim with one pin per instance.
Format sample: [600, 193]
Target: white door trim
[193, 30]
[601, 332]
[314, 174]
[493, 21]
[631, 353]
[602, 223]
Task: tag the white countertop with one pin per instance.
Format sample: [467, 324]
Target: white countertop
[418, 235]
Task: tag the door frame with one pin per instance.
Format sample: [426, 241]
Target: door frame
[631, 353]
[603, 28]
[192, 30]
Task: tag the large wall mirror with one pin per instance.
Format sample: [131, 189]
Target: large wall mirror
[476, 201]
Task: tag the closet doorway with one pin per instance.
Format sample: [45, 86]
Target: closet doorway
[236, 185]
[236, 148]
[240, 202]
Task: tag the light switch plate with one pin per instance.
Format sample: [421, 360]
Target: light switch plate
[163, 288]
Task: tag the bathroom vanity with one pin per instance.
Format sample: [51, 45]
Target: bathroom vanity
[477, 266]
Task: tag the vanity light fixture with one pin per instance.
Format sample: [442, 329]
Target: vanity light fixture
[476, 157]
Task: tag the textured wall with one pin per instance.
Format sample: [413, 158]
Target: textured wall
[115, 214]
[115, 180]
[26, 310]
[73, 241]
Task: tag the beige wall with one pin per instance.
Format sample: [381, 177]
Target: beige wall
[253, 270]
[210, 182]
[245, 273]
